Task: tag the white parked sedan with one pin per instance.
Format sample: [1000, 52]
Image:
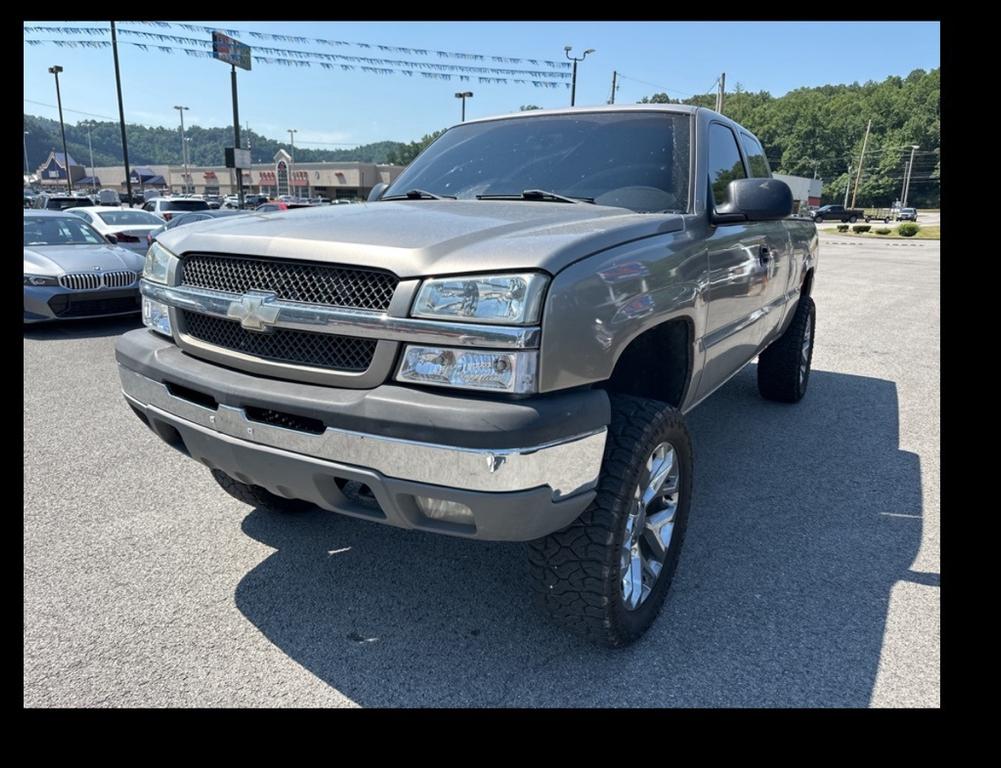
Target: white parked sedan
[130, 226]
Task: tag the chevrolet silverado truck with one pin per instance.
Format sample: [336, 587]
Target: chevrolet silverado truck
[501, 345]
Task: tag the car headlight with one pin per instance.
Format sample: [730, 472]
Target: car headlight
[158, 262]
[512, 372]
[40, 280]
[512, 299]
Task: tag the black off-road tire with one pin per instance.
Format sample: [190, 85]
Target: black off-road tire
[576, 571]
[779, 366]
[258, 497]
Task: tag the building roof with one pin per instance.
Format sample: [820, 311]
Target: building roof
[60, 158]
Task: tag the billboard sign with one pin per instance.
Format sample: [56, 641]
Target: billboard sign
[237, 158]
[226, 48]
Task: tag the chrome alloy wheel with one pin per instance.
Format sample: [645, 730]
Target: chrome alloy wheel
[804, 361]
[650, 525]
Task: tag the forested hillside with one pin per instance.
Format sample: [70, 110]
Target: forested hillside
[158, 146]
[821, 130]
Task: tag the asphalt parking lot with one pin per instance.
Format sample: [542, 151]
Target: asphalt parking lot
[810, 574]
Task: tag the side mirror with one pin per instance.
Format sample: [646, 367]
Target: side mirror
[754, 200]
[113, 239]
[377, 191]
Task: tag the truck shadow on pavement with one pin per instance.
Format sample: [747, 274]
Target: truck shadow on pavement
[804, 518]
[93, 328]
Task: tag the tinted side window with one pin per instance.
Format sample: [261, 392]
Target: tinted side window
[725, 164]
[756, 158]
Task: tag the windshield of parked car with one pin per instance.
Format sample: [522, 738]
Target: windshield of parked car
[62, 203]
[128, 218]
[59, 230]
[184, 205]
[635, 160]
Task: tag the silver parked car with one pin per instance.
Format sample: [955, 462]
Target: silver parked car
[128, 225]
[71, 271]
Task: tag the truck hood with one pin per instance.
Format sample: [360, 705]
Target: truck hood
[58, 259]
[418, 238]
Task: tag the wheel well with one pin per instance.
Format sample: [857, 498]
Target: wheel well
[656, 364]
[807, 284]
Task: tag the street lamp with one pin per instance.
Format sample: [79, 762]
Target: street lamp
[189, 183]
[184, 153]
[573, 86]
[291, 176]
[464, 95]
[27, 171]
[907, 182]
[90, 146]
[55, 70]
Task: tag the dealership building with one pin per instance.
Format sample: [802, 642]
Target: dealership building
[342, 180]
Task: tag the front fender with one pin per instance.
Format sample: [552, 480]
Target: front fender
[598, 305]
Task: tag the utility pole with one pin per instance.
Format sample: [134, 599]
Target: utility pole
[121, 114]
[27, 170]
[55, 70]
[90, 146]
[848, 184]
[907, 183]
[721, 93]
[615, 76]
[861, 162]
[184, 153]
[236, 139]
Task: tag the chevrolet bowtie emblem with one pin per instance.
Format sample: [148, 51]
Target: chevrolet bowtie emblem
[254, 311]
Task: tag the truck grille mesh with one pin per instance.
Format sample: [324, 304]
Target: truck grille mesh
[317, 350]
[293, 281]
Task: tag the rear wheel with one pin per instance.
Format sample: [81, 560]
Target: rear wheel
[256, 496]
[607, 574]
[819, 219]
[784, 368]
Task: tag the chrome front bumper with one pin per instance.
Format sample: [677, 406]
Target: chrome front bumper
[568, 467]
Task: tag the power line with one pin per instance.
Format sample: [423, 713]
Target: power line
[75, 111]
[654, 85]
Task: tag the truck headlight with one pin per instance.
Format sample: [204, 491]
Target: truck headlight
[512, 299]
[512, 372]
[158, 262]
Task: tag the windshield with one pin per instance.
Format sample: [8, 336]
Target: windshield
[634, 160]
[184, 205]
[59, 230]
[127, 218]
[62, 203]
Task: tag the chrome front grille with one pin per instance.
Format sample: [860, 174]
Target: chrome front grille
[305, 282]
[91, 281]
[282, 345]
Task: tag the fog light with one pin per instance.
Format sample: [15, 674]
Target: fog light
[156, 316]
[446, 511]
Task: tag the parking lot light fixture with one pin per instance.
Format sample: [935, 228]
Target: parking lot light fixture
[464, 95]
[55, 70]
[574, 59]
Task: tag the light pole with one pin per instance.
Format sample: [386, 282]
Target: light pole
[573, 86]
[464, 95]
[27, 170]
[184, 153]
[291, 176]
[55, 70]
[187, 172]
[90, 146]
[907, 183]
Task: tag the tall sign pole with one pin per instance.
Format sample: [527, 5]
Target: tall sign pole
[236, 54]
[121, 114]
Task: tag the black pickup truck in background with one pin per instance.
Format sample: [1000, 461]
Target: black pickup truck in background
[837, 213]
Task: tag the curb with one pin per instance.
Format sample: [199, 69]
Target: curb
[856, 242]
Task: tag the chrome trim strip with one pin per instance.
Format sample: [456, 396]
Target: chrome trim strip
[352, 322]
[568, 467]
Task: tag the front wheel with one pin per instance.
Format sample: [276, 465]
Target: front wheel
[784, 368]
[819, 219]
[607, 574]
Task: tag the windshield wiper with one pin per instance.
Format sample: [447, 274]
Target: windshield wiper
[538, 194]
[418, 194]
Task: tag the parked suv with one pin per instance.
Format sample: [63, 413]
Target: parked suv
[490, 349]
[167, 207]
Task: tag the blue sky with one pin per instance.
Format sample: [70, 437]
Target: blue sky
[334, 108]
